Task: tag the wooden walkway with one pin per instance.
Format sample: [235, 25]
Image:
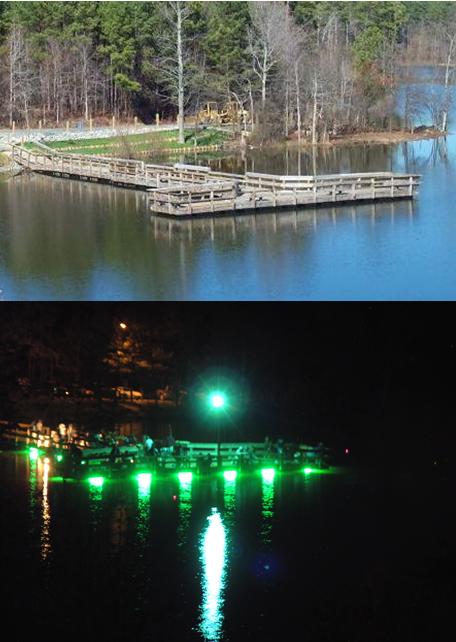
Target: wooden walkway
[185, 191]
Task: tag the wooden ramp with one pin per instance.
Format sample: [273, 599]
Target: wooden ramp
[185, 191]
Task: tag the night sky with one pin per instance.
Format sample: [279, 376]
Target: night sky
[377, 378]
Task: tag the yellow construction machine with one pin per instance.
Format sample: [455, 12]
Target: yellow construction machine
[230, 114]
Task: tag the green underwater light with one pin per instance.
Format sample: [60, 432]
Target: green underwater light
[230, 475]
[268, 474]
[59, 457]
[144, 480]
[96, 481]
[33, 454]
[308, 470]
[185, 478]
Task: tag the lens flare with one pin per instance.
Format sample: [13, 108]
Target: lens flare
[217, 400]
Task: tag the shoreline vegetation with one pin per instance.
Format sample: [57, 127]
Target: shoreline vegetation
[166, 143]
[313, 67]
[88, 412]
[377, 138]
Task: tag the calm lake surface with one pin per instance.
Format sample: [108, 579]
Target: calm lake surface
[61, 239]
[348, 555]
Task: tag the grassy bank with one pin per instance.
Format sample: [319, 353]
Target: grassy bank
[129, 145]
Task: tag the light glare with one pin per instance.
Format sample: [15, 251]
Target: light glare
[268, 474]
[144, 480]
[230, 475]
[185, 478]
[217, 400]
[96, 481]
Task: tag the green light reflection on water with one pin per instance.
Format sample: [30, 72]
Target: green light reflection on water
[213, 559]
[185, 509]
[143, 521]
[229, 495]
[33, 465]
[267, 508]
[95, 499]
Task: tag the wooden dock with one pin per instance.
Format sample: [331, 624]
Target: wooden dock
[185, 191]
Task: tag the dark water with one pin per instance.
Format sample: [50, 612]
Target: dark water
[348, 555]
[66, 240]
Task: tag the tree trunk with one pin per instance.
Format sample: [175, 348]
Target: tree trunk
[298, 102]
[180, 62]
[314, 114]
[446, 105]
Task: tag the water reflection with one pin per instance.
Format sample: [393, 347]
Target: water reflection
[296, 226]
[33, 465]
[184, 506]
[143, 517]
[95, 499]
[229, 498]
[213, 559]
[267, 507]
[45, 515]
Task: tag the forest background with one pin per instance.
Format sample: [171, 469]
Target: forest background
[322, 68]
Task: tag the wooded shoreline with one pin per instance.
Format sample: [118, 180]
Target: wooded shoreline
[285, 67]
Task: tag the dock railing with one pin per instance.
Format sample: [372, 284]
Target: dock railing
[184, 190]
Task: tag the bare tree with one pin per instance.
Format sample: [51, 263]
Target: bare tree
[292, 52]
[174, 62]
[267, 19]
[20, 76]
[450, 36]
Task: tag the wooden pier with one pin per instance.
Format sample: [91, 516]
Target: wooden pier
[185, 191]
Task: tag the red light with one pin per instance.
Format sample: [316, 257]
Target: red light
[174, 498]
[347, 451]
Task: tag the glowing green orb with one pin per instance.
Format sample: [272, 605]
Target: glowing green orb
[217, 400]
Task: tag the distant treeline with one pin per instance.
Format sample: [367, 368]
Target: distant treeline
[312, 67]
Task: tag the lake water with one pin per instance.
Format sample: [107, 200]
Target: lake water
[348, 555]
[61, 239]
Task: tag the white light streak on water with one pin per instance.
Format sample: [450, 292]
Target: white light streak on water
[213, 557]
